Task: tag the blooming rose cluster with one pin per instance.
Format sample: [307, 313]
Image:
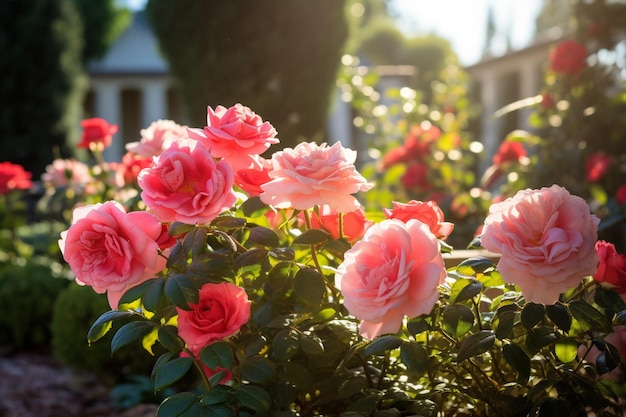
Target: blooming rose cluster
[97, 133]
[568, 57]
[546, 239]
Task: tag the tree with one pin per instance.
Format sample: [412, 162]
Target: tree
[277, 57]
[42, 80]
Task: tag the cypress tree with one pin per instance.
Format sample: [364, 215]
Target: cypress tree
[280, 58]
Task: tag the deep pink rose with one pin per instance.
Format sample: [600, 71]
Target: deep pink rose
[546, 239]
[427, 212]
[394, 271]
[66, 173]
[13, 177]
[220, 312]
[597, 166]
[236, 134]
[354, 223]
[250, 180]
[620, 195]
[111, 250]
[312, 174]
[97, 132]
[128, 170]
[509, 151]
[611, 271]
[157, 137]
[186, 184]
[416, 177]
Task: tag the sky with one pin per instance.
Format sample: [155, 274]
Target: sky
[462, 22]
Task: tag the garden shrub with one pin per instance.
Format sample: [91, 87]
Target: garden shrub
[75, 310]
[27, 295]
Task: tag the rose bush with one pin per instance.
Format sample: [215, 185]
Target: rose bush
[301, 301]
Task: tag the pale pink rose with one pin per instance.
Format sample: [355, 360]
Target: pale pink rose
[617, 339]
[354, 223]
[251, 179]
[66, 173]
[220, 312]
[111, 250]
[393, 272]
[186, 184]
[312, 174]
[546, 239]
[427, 212]
[236, 134]
[157, 137]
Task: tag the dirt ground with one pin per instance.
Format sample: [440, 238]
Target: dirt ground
[36, 385]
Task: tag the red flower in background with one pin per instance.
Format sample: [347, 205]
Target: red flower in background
[97, 131]
[13, 177]
[611, 271]
[416, 146]
[547, 101]
[416, 176]
[620, 194]
[569, 57]
[596, 166]
[509, 151]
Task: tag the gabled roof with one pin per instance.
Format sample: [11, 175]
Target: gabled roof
[136, 51]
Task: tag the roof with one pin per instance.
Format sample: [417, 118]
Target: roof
[136, 51]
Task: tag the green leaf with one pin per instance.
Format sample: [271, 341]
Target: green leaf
[130, 332]
[161, 361]
[254, 207]
[540, 337]
[532, 314]
[504, 321]
[475, 344]
[136, 292]
[566, 349]
[254, 398]
[178, 228]
[257, 369]
[216, 411]
[323, 315]
[152, 295]
[458, 319]
[459, 287]
[181, 290]
[168, 337]
[472, 266]
[285, 344]
[217, 395]
[382, 344]
[171, 372]
[228, 222]
[414, 356]
[609, 357]
[591, 317]
[417, 325]
[253, 256]
[216, 355]
[103, 324]
[282, 254]
[175, 405]
[560, 316]
[310, 286]
[469, 291]
[263, 236]
[311, 344]
[312, 237]
[519, 360]
[194, 242]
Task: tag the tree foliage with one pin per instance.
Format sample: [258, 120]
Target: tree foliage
[280, 58]
[42, 79]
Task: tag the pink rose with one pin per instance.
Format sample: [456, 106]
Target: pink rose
[13, 177]
[111, 250]
[611, 271]
[547, 241]
[97, 132]
[568, 57]
[427, 212]
[128, 170]
[157, 137]
[186, 184]
[312, 174]
[509, 151]
[354, 223]
[236, 134]
[66, 173]
[620, 195]
[220, 312]
[394, 271]
[416, 177]
[597, 166]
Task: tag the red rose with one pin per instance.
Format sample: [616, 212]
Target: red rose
[569, 57]
[611, 271]
[97, 131]
[13, 177]
[596, 166]
[416, 176]
[620, 194]
[509, 151]
[547, 101]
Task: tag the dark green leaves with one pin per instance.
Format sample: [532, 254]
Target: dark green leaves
[475, 344]
[171, 372]
[310, 285]
[312, 237]
[130, 332]
[532, 314]
[589, 317]
[181, 290]
[518, 359]
[103, 324]
[383, 344]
